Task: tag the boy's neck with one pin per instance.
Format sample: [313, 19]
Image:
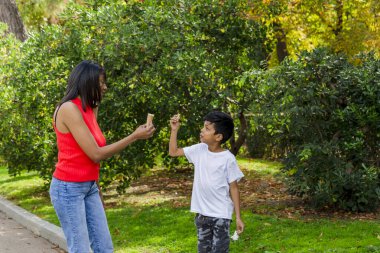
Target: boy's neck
[216, 147]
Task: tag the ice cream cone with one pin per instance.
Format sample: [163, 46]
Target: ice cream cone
[149, 119]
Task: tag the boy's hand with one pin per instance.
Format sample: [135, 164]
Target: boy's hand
[174, 122]
[239, 226]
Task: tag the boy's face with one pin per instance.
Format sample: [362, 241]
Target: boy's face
[208, 135]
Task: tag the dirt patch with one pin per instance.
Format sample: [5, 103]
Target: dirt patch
[261, 194]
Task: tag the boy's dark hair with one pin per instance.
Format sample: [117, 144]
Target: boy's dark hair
[223, 124]
[84, 82]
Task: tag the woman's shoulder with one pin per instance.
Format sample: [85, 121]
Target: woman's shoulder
[66, 113]
[68, 105]
[69, 108]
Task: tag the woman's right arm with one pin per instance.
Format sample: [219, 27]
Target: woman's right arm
[71, 118]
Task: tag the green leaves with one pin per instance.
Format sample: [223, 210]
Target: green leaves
[323, 117]
[163, 57]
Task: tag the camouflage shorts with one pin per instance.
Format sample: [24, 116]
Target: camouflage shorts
[213, 234]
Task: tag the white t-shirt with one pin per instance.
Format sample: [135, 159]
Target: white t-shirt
[212, 175]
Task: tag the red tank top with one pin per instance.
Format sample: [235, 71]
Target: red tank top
[73, 164]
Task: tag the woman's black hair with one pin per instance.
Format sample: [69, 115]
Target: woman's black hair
[84, 82]
[223, 124]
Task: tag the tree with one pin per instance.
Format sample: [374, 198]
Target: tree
[348, 26]
[37, 13]
[9, 14]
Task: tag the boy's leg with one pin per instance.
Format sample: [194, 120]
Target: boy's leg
[99, 233]
[204, 232]
[221, 235]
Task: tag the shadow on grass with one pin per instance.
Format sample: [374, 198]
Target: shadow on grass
[22, 194]
[16, 178]
[162, 228]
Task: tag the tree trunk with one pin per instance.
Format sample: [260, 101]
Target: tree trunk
[9, 14]
[339, 13]
[236, 145]
[281, 47]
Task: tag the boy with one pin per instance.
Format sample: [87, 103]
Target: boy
[215, 177]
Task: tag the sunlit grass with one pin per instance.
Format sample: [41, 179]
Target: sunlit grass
[259, 166]
[145, 220]
[29, 192]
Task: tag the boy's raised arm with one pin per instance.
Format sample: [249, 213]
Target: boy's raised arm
[173, 149]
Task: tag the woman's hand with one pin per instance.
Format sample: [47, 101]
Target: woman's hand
[144, 132]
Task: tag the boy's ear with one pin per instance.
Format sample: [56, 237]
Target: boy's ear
[219, 137]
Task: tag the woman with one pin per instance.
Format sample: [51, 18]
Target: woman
[81, 146]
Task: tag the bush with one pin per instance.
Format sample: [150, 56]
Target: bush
[325, 111]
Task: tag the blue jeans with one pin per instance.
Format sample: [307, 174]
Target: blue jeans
[82, 217]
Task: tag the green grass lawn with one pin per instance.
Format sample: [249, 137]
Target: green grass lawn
[153, 220]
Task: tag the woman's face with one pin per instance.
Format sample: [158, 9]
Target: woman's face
[103, 85]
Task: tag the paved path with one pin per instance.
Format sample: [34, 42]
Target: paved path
[24, 232]
[15, 238]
